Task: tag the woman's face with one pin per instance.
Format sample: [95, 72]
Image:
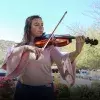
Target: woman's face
[37, 27]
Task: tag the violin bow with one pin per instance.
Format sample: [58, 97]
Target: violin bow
[54, 30]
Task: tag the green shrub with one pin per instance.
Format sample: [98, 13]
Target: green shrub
[82, 92]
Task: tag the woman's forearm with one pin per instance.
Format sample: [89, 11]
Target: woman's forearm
[73, 55]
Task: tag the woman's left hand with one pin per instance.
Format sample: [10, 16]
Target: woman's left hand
[80, 40]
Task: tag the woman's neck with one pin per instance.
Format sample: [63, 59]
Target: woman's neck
[32, 40]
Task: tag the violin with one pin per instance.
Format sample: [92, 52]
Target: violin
[60, 40]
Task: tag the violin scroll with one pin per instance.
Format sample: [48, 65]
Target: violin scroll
[91, 41]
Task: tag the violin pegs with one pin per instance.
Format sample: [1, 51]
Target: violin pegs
[91, 41]
[87, 40]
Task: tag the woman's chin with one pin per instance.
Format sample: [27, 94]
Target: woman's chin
[38, 35]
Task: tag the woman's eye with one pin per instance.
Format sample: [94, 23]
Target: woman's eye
[36, 24]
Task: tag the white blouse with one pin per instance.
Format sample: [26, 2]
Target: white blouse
[38, 72]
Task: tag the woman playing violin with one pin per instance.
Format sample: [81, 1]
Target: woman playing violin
[32, 65]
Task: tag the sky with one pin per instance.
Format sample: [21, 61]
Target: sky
[14, 13]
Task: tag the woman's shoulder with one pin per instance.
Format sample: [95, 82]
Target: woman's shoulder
[10, 48]
[54, 48]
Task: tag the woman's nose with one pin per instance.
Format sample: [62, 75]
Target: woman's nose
[41, 27]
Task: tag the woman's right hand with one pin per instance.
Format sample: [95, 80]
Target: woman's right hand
[36, 50]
